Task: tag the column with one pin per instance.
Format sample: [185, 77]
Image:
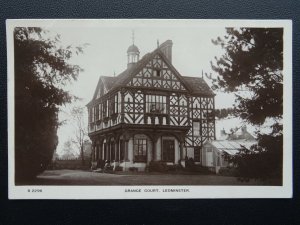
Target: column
[126, 153]
[182, 151]
[100, 150]
[104, 151]
[97, 152]
[117, 157]
[153, 148]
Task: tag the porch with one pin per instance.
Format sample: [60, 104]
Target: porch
[133, 147]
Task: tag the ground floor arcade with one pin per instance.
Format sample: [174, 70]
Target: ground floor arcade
[135, 147]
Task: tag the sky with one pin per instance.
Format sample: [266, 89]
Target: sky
[106, 53]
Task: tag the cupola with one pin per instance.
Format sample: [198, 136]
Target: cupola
[133, 54]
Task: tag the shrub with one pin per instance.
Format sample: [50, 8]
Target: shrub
[228, 171]
[174, 167]
[133, 169]
[119, 168]
[158, 166]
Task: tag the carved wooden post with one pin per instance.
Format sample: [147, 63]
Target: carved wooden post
[122, 106]
[189, 109]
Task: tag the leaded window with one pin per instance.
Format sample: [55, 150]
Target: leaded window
[140, 150]
[156, 104]
[196, 128]
[97, 112]
[114, 104]
[104, 109]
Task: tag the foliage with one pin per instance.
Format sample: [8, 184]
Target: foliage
[190, 166]
[158, 166]
[133, 169]
[68, 152]
[228, 171]
[119, 168]
[223, 113]
[252, 65]
[42, 69]
[253, 61]
[262, 161]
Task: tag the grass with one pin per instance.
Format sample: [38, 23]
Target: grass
[79, 177]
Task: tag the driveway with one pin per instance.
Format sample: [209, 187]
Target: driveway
[77, 177]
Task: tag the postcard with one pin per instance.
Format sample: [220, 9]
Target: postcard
[149, 108]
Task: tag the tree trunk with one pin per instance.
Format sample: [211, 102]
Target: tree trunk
[82, 155]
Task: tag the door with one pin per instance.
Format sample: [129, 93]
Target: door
[168, 151]
[197, 154]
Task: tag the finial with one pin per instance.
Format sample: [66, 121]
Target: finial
[133, 37]
[114, 73]
[157, 43]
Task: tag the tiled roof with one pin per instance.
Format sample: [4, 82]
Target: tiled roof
[198, 85]
[108, 81]
[122, 77]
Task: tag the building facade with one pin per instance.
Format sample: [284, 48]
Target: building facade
[150, 112]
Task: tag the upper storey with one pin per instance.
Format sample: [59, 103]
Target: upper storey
[153, 72]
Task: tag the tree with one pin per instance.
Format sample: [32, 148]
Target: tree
[77, 115]
[42, 69]
[68, 152]
[252, 64]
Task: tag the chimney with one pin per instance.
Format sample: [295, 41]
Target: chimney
[166, 48]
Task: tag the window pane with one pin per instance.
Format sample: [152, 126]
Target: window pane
[136, 149]
[196, 128]
[140, 150]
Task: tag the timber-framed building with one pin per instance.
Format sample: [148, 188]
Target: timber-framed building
[150, 112]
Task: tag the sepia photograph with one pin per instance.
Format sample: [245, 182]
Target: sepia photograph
[149, 108]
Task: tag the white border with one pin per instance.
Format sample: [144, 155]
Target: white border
[118, 192]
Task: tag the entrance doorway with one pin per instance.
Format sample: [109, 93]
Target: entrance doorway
[168, 151]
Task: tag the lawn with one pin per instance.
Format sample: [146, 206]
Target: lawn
[78, 177]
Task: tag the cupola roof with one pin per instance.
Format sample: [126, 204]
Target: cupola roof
[133, 49]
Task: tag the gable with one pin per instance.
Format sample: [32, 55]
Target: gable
[158, 73]
[103, 86]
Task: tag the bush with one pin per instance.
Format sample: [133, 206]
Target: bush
[158, 166]
[189, 164]
[133, 169]
[228, 171]
[119, 168]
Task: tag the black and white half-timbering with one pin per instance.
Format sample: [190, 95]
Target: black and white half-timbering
[150, 112]
[133, 109]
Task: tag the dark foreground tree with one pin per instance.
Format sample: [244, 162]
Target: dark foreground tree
[252, 64]
[42, 69]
